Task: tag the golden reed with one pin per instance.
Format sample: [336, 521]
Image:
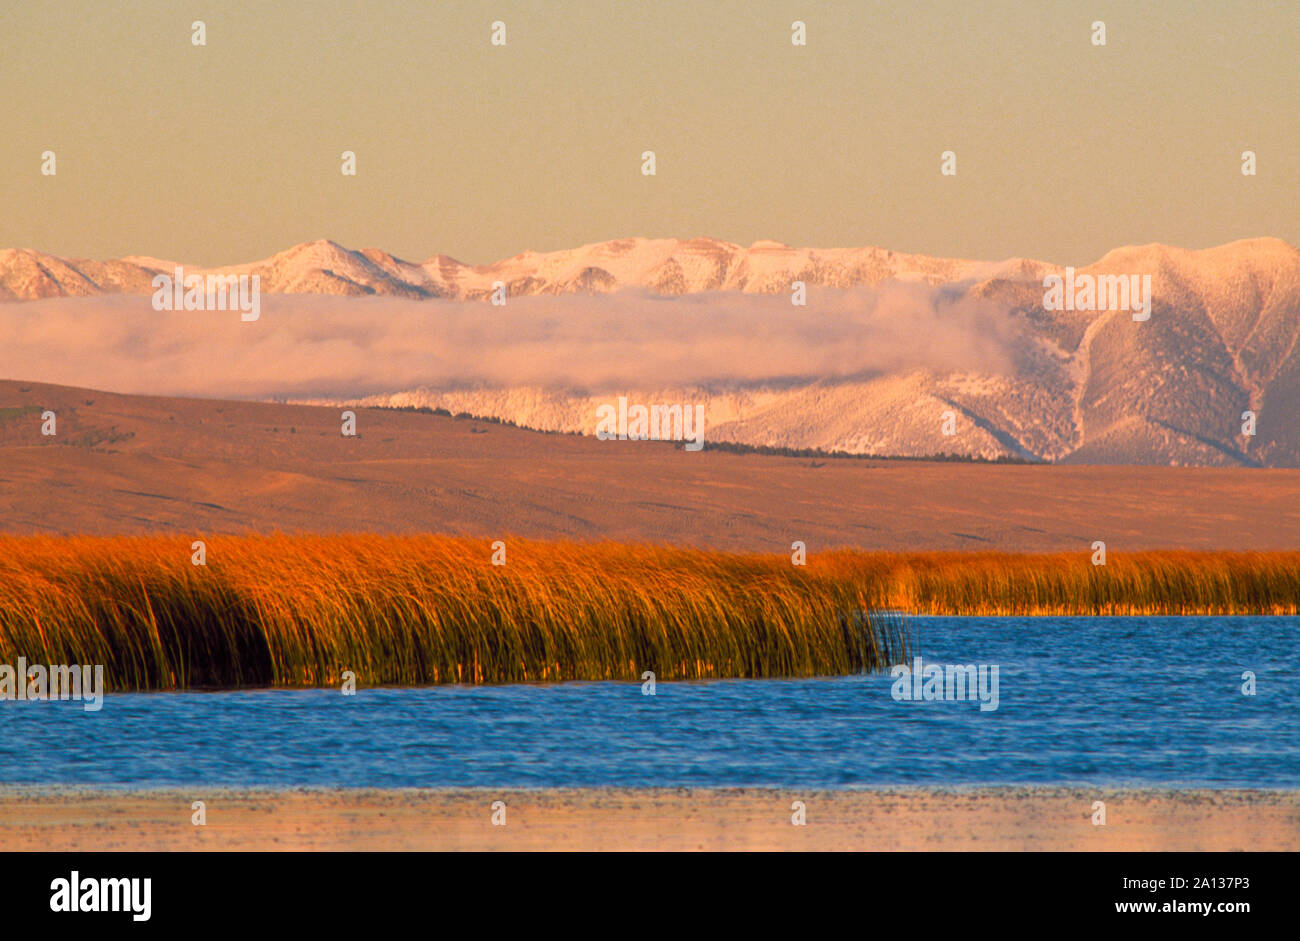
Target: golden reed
[414, 610]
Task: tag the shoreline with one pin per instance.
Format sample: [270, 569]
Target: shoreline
[622, 819]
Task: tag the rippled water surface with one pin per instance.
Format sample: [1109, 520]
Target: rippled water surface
[1135, 701]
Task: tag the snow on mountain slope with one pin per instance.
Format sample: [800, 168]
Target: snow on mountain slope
[896, 415]
[1223, 340]
[1091, 386]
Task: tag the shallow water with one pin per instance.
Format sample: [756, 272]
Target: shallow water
[1111, 701]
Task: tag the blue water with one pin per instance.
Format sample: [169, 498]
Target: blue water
[1112, 701]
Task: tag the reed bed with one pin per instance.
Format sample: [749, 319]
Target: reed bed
[1139, 583]
[298, 611]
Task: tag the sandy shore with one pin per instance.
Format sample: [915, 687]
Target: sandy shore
[599, 819]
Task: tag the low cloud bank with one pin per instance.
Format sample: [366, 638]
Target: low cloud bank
[337, 347]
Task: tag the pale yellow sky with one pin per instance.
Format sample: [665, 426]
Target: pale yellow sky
[230, 152]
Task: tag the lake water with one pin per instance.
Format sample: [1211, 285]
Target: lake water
[1098, 701]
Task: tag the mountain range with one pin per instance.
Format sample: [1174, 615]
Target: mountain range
[663, 266]
[1219, 352]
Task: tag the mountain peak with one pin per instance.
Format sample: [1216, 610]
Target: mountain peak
[661, 265]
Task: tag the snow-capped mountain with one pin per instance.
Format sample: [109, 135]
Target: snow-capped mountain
[1219, 352]
[663, 266]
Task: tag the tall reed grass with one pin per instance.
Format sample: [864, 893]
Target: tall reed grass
[1140, 583]
[301, 610]
[298, 611]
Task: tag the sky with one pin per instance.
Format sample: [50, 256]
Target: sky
[231, 152]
